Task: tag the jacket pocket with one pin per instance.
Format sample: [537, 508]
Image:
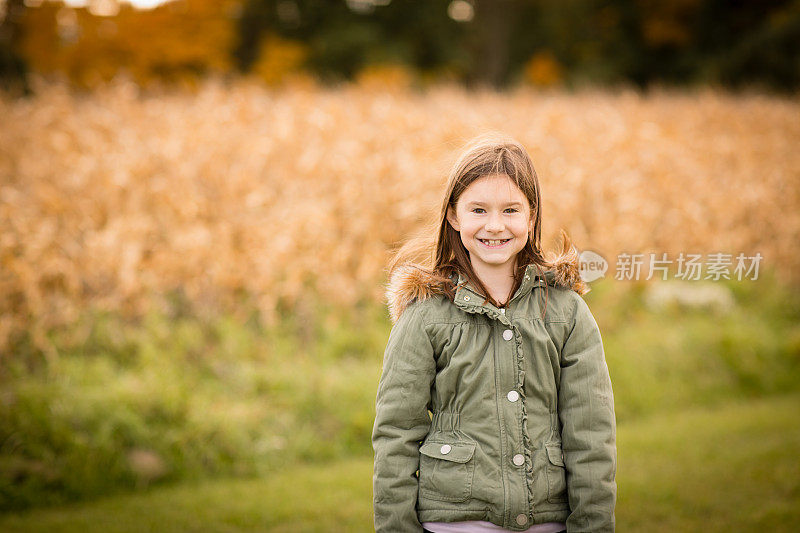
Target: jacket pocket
[556, 475]
[446, 470]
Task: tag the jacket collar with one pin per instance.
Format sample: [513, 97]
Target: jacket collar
[531, 278]
[471, 301]
[409, 282]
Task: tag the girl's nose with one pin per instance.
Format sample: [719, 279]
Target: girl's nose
[495, 223]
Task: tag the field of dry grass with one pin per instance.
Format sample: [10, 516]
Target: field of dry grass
[235, 193]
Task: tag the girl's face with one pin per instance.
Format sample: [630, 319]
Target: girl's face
[493, 217]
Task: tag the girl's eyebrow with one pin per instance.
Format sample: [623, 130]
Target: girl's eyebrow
[509, 204]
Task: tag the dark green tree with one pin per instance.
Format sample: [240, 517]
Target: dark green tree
[344, 37]
[643, 42]
[13, 69]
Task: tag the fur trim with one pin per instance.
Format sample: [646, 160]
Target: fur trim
[408, 283]
[566, 271]
[411, 282]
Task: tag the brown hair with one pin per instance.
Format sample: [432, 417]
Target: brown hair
[487, 154]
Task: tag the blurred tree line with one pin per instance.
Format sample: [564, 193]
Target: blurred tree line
[479, 42]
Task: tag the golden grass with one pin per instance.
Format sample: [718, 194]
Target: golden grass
[110, 198]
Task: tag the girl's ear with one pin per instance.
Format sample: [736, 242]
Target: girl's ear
[453, 219]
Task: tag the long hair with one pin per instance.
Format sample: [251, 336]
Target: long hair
[487, 154]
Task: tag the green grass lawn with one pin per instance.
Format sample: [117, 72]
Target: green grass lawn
[126, 404]
[730, 468]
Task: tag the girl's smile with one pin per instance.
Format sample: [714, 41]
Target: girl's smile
[494, 243]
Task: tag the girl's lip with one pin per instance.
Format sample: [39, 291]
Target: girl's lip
[494, 247]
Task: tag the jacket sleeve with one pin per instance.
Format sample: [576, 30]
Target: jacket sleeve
[588, 426]
[401, 423]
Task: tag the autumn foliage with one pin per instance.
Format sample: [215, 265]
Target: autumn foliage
[177, 43]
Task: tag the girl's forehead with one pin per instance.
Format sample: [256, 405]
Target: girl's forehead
[495, 186]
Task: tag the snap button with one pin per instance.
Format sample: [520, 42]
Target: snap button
[466, 298]
[519, 459]
[508, 334]
[512, 396]
[522, 519]
[445, 449]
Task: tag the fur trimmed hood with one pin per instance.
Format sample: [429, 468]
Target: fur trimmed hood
[411, 282]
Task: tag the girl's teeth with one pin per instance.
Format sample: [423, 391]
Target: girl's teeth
[494, 243]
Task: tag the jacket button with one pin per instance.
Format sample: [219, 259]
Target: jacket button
[508, 334]
[512, 396]
[522, 519]
[519, 459]
[445, 449]
[466, 298]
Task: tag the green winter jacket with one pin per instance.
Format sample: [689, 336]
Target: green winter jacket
[490, 414]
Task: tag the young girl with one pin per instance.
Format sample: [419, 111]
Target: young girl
[494, 409]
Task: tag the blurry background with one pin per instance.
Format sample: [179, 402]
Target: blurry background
[198, 199]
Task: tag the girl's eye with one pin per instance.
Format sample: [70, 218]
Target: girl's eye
[481, 210]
